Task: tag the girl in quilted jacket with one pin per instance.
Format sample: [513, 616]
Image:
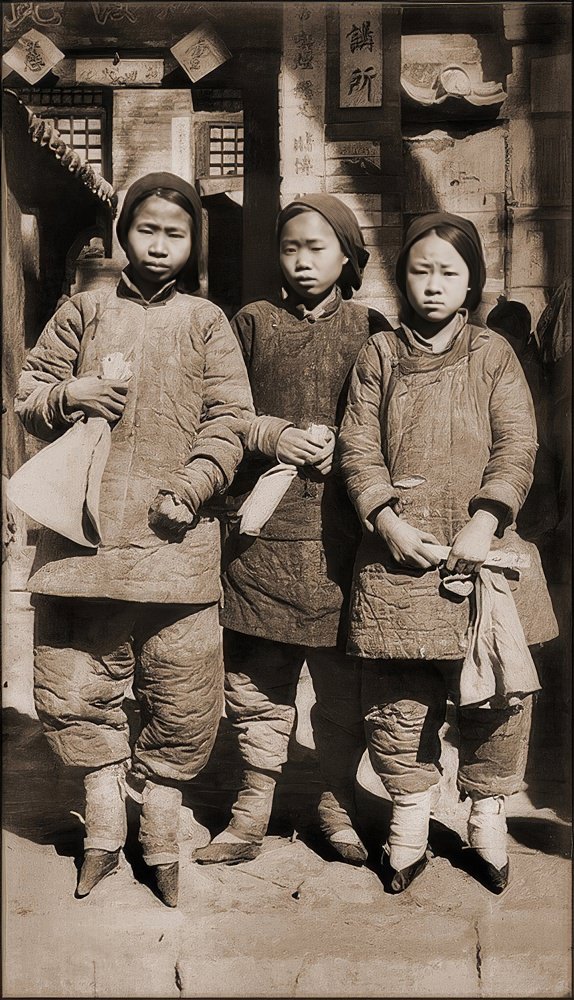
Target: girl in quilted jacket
[287, 590]
[146, 601]
[437, 449]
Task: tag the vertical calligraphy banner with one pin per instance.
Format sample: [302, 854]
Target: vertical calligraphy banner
[360, 56]
[303, 99]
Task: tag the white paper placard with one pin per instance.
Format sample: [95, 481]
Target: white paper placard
[125, 73]
[33, 56]
[200, 52]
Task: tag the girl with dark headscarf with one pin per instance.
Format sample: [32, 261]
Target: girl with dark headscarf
[437, 450]
[144, 604]
[286, 590]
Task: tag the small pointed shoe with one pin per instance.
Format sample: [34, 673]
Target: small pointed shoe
[167, 882]
[351, 854]
[492, 878]
[397, 881]
[226, 854]
[96, 866]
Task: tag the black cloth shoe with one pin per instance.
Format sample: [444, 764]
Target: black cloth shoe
[167, 882]
[95, 867]
[492, 878]
[226, 854]
[351, 854]
[397, 881]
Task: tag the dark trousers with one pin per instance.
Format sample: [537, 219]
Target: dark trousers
[260, 687]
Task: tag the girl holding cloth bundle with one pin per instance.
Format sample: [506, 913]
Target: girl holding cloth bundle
[286, 590]
[437, 450]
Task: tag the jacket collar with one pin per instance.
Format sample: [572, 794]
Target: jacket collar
[443, 341]
[322, 310]
[129, 290]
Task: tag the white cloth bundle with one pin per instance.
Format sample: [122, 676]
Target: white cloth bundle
[270, 489]
[498, 670]
[60, 486]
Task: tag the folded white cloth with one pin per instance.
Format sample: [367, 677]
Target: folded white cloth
[264, 498]
[270, 489]
[60, 486]
[498, 669]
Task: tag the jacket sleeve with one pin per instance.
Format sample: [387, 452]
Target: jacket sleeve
[49, 367]
[361, 459]
[263, 430]
[509, 472]
[227, 411]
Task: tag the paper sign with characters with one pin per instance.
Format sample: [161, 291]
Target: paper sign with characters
[33, 56]
[201, 52]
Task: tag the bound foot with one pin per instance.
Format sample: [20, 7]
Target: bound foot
[398, 880]
[349, 846]
[95, 867]
[227, 849]
[492, 878]
[167, 882]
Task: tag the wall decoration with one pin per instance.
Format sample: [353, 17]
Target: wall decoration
[39, 13]
[120, 73]
[200, 52]
[360, 56]
[104, 12]
[454, 82]
[33, 56]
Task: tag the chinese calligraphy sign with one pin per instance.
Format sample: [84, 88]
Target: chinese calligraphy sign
[33, 56]
[360, 56]
[200, 52]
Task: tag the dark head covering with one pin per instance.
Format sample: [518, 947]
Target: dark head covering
[465, 240]
[150, 184]
[346, 228]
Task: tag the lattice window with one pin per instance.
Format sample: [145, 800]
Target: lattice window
[226, 150]
[79, 116]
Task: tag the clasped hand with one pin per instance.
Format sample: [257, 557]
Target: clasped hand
[298, 447]
[406, 543]
[472, 544]
[96, 397]
[170, 518]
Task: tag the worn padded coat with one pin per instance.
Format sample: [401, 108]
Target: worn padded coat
[187, 402]
[460, 424]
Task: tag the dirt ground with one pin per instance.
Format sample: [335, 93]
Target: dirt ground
[294, 922]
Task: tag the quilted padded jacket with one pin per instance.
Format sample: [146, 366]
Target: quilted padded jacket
[187, 402]
[436, 434]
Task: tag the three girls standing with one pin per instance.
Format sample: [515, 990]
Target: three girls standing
[436, 446]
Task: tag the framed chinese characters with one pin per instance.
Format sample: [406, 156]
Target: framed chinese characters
[363, 60]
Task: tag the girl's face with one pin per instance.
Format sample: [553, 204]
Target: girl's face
[310, 255]
[159, 241]
[436, 279]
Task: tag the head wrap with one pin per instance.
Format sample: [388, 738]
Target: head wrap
[472, 252]
[148, 185]
[343, 221]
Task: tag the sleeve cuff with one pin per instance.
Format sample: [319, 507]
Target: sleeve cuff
[55, 404]
[371, 499]
[264, 433]
[499, 499]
